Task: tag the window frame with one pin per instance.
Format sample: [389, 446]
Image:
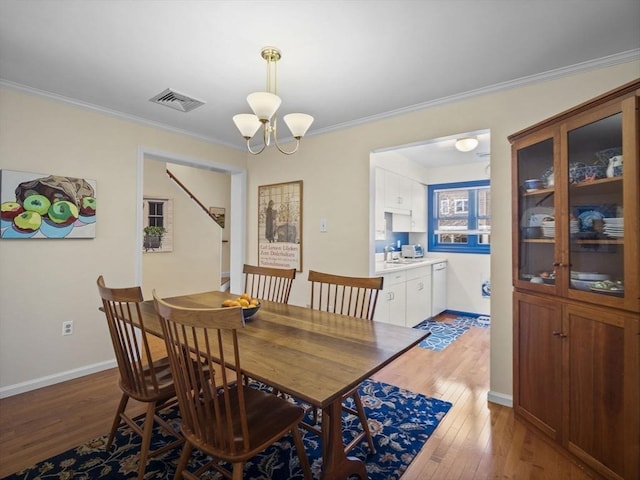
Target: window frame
[473, 244]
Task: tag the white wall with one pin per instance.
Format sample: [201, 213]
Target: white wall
[45, 282]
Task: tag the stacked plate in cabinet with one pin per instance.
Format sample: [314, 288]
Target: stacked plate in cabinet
[614, 227]
[549, 228]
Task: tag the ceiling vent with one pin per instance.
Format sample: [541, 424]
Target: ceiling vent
[177, 101]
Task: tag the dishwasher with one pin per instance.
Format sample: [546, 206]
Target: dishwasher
[438, 288]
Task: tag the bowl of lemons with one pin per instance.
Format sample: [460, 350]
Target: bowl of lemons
[250, 306]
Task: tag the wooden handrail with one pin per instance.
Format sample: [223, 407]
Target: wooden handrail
[213, 216]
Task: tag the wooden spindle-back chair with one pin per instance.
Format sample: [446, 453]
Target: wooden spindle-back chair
[142, 377]
[221, 416]
[353, 297]
[267, 283]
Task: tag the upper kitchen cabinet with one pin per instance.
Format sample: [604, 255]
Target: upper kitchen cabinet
[576, 212]
[397, 193]
[418, 207]
[404, 198]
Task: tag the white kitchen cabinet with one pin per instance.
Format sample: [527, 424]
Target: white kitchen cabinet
[418, 295]
[418, 207]
[380, 225]
[400, 223]
[392, 299]
[397, 193]
[439, 288]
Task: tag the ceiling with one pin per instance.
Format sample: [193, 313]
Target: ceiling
[344, 62]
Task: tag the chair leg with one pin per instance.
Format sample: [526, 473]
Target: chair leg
[302, 453]
[147, 429]
[363, 419]
[117, 420]
[238, 471]
[184, 459]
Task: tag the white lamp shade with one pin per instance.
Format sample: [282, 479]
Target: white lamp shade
[466, 144]
[247, 123]
[298, 123]
[264, 104]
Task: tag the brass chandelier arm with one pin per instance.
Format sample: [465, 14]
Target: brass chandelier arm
[264, 145]
[269, 129]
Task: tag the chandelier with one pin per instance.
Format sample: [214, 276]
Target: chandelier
[264, 106]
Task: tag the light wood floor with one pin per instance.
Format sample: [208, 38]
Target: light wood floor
[475, 440]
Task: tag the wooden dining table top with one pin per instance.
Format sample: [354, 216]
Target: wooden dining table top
[316, 356]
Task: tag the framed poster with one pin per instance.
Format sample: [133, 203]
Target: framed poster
[280, 225]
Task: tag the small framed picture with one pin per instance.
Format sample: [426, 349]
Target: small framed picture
[218, 215]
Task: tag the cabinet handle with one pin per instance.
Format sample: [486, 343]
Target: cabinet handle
[559, 334]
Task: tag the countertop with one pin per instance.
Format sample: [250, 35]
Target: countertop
[406, 264]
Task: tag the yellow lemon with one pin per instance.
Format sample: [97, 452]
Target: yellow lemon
[244, 302]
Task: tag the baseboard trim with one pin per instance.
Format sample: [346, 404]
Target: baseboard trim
[23, 387]
[500, 398]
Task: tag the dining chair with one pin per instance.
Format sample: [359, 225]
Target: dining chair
[221, 416]
[268, 283]
[142, 377]
[353, 297]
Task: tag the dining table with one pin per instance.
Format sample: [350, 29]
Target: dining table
[313, 355]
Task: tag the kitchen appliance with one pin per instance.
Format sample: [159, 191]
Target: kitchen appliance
[412, 251]
[438, 288]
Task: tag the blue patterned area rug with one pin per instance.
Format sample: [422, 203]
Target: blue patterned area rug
[401, 422]
[444, 333]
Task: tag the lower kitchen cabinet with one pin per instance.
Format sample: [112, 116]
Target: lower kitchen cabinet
[392, 299]
[418, 295]
[576, 378]
[406, 297]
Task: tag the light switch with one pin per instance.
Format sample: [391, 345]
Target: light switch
[323, 225]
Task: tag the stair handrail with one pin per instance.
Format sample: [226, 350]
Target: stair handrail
[213, 216]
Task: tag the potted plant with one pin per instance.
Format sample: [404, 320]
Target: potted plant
[153, 236]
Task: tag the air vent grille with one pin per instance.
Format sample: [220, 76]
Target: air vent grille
[177, 101]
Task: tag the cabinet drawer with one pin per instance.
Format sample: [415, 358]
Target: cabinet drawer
[418, 272]
[394, 278]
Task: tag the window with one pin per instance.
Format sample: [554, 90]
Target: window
[158, 212]
[460, 217]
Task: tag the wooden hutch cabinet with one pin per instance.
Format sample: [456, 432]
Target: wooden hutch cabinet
[576, 277]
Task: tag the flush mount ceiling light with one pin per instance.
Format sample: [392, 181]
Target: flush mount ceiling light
[264, 106]
[466, 144]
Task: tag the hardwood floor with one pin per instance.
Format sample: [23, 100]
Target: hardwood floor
[475, 440]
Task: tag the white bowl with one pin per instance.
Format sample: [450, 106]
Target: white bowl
[582, 284]
[589, 276]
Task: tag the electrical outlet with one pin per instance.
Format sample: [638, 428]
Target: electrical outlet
[67, 327]
[323, 225]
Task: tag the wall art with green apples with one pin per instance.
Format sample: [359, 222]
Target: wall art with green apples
[34, 205]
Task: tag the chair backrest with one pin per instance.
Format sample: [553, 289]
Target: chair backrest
[126, 327]
[266, 283]
[352, 296]
[211, 405]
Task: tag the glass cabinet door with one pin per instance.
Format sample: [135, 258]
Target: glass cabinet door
[536, 230]
[595, 206]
